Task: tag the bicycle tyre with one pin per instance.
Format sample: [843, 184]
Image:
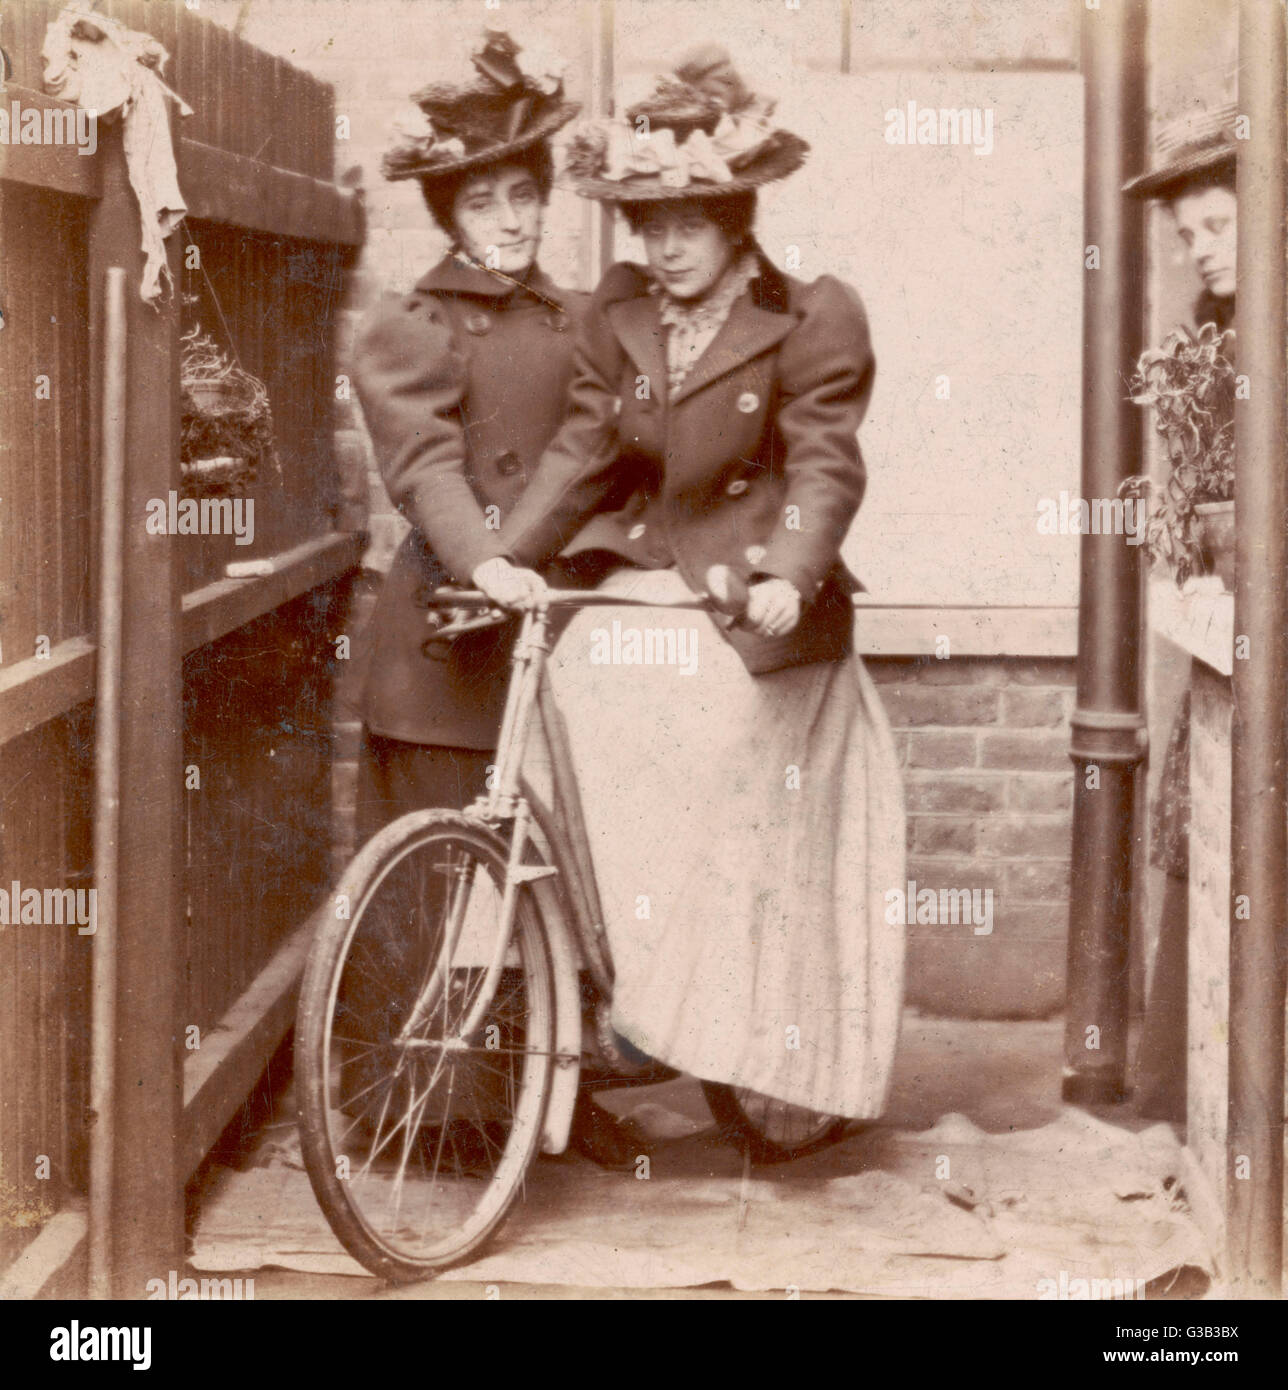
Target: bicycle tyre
[363, 978]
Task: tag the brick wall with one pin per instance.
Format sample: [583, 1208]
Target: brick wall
[989, 785]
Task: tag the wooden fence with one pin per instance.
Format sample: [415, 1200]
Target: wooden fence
[226, 743]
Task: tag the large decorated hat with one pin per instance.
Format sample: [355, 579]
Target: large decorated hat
[1187, 147]
[700, 133]
[515, 101]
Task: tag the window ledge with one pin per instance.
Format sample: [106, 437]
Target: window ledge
[1199, 620]
[971, 629]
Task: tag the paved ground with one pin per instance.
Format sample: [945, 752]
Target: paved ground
[1003, 1076]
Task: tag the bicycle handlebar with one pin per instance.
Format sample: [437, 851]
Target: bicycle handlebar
[726, 594]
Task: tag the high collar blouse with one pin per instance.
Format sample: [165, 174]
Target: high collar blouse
[693, 324]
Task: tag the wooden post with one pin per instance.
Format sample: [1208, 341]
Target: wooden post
[1259, 844]
[147, 1190]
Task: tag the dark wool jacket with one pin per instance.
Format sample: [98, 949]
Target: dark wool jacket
[462, 384]
[754, 464]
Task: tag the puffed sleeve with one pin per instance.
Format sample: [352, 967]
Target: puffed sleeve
[826, 369]
[410, 379]
[577, 469]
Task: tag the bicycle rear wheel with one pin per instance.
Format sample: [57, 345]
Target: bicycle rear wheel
[767, 1130]
[424, 1048]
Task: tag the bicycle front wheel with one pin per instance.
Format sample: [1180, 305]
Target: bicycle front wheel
[424, 1047]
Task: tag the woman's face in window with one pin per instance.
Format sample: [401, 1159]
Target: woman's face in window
[498, 219]
[1207, 222]
[686, 251]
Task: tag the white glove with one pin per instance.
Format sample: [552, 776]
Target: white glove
[773, 608]
[508, 585]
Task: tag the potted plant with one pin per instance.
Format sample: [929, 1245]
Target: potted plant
[1190, 383]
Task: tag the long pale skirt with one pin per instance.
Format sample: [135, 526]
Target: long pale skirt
[744, 831]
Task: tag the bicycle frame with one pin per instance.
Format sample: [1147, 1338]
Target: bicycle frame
[565, 857]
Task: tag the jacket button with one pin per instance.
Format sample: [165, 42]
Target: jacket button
[755, 554]
[617, 406]
[748, 401]
[559, 322]
[477, 323]
[737, 487]
[508, 463]
[636, 531]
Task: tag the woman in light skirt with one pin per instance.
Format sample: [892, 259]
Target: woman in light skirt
[741, 787]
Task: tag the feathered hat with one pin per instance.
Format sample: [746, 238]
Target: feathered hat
[515, 101]
[701, 132]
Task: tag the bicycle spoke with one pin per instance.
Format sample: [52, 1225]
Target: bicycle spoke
[438, 1125]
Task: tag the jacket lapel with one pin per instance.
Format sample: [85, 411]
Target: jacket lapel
[746, 333]
[451, 276]
[640, 332]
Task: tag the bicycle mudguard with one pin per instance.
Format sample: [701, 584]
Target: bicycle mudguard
[566, 1075]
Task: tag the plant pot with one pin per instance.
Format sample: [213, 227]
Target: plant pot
[215, 398]
[1216, 539]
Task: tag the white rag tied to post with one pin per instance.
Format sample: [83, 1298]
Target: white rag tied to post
[109, 70]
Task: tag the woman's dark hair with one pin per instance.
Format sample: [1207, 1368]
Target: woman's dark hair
[440, 193]
[733, 213]
[1222, 176]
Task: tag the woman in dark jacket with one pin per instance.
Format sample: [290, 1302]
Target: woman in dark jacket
[744, 804]
[462, 384]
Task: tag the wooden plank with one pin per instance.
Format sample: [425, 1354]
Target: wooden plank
[35, 691]
[217, 89]
[59, 1241]
[218, 1076]
[221, 186]
[32, 20]
[40, 554]
[18, 422]
[39, 689]
[227, 604]
[59, 168]
[189, 74]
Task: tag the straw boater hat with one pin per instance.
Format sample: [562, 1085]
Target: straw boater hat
[515, 101]
[701, 133]
[1194, 144]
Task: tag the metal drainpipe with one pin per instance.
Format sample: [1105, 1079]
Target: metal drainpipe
[1107, 726]
[107, 791]
[1258, 828]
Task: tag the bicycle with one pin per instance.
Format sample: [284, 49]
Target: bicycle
[440, 1021]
